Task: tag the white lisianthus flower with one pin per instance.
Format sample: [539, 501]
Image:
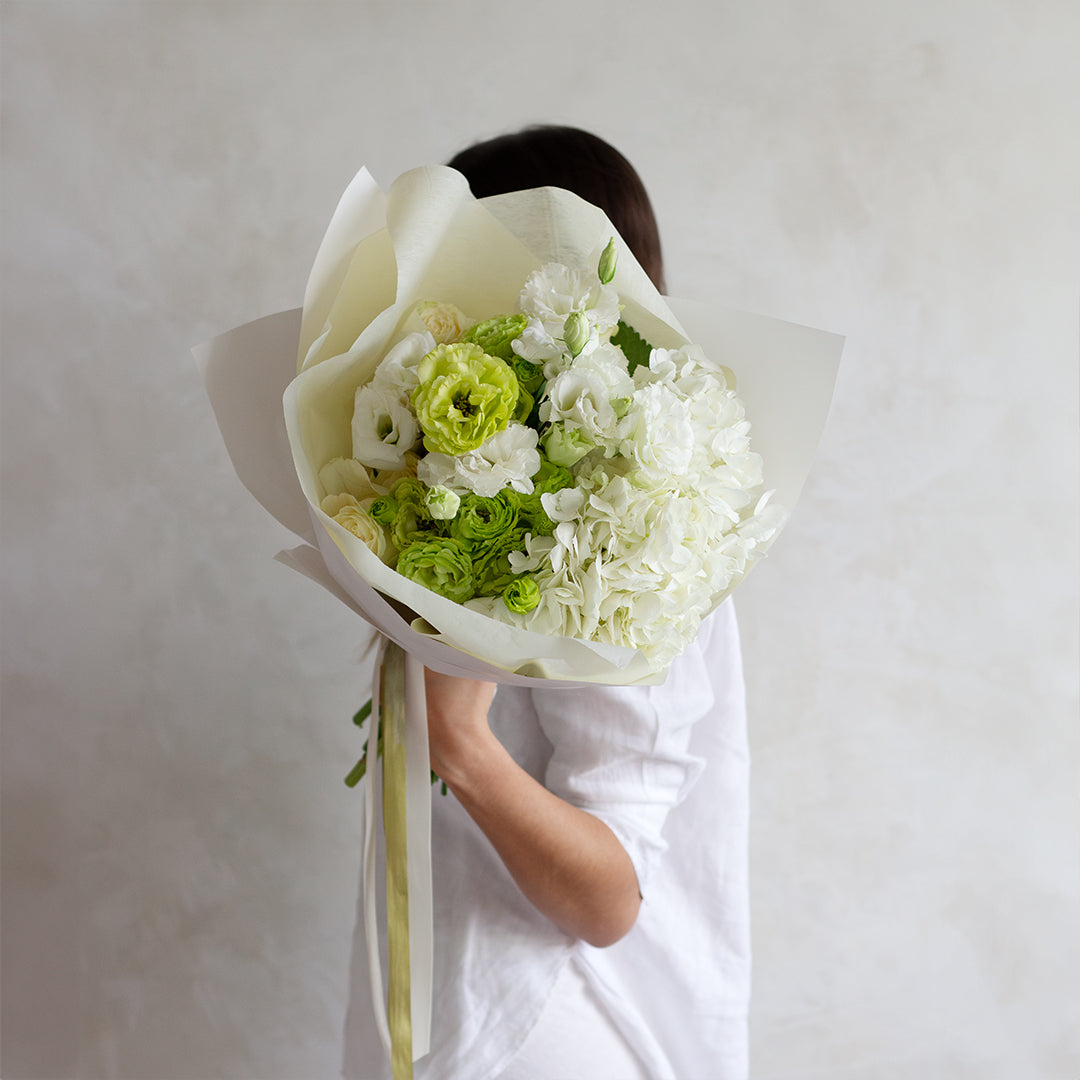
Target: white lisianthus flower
[508, 459]
[537, 346]
[384, 428]
[554, 291]
[397, 369]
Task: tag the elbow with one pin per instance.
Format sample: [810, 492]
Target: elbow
[611, 925]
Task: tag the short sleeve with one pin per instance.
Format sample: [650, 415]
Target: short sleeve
[622, 753]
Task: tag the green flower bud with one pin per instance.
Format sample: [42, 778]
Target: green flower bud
[576, 331]
[464, 397]
[442, 503]
[441, 565]
[521, 595]
[530, 510]
[383, 510]
[606, 270]
[564, 446]
[494, 336]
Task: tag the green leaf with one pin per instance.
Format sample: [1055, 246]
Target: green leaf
[635, 348]
[359, 770]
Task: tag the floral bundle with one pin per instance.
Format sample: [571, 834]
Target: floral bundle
[550, 469]
[502, 449]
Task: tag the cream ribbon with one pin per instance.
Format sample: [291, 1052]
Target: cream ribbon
[404, 1017]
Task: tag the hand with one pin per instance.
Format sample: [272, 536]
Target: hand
[457, 722]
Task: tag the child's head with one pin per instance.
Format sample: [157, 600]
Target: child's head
[566, 157]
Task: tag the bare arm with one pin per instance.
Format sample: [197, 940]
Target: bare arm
[567, 863]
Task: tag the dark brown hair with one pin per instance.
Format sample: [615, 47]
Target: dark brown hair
[567, 157]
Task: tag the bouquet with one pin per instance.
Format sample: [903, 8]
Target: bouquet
[548, 468]
[506, 451]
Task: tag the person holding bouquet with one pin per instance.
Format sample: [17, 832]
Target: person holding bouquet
[590, 860]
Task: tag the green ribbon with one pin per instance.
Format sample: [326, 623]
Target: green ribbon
[399, 997]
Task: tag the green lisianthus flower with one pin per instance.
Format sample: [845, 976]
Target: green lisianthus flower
[551, 476]
[496, 336]
[524, 406]
[464, 396]
[530, 376]
[441, 565]
[531, 515]
[491, 563]
[521, 595]
[413, 520]
[480, 521]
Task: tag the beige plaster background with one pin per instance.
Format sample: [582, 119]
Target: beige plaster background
[179, 853]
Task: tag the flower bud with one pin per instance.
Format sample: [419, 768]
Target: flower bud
[606, 270]
[521, 595]
[442, 503]
[576, 331]
[566, 447]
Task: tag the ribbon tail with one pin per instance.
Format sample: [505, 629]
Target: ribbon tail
[403, 1011]
[371, 921]
[418, 817]
[395, 826]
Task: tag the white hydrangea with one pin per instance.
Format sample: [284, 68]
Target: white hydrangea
[656, 432]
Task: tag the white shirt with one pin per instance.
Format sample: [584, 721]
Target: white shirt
[666, 768]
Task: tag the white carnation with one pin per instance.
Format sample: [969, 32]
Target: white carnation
[508, 459]
[554, 291]
[584, 396]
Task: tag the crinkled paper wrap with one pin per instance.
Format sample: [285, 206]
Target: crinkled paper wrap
[429, 239]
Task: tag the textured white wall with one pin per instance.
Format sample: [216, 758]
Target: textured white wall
[179, 852]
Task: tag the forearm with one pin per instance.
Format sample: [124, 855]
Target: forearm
[566, 862]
